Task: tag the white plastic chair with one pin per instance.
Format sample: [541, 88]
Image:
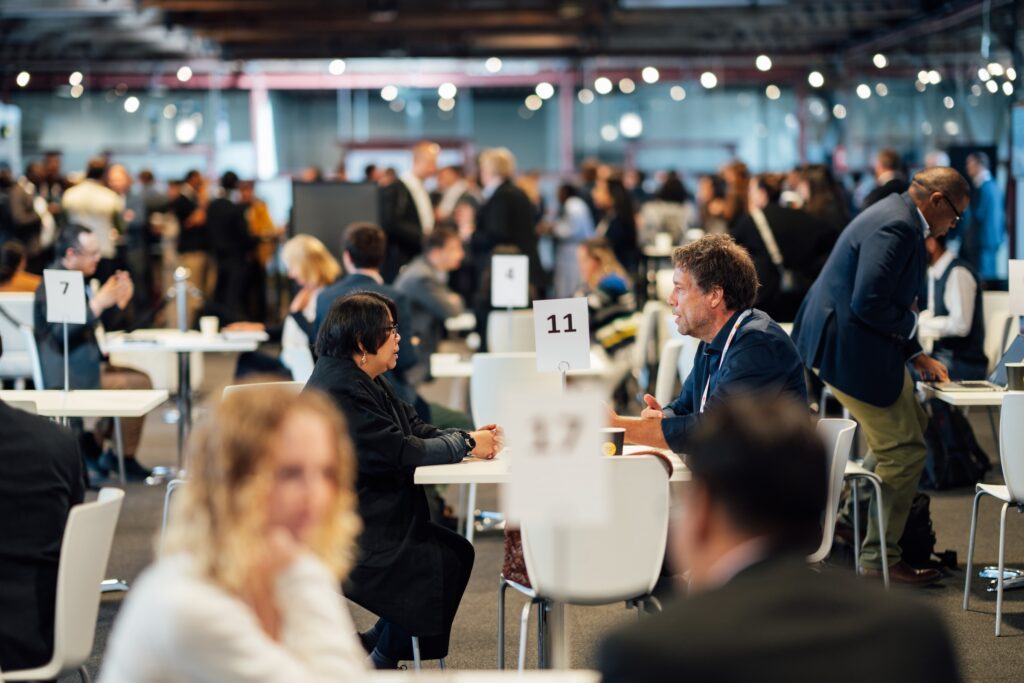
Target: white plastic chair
[84, 552]
[646, 344]
[253, 386]
[29, 338]
[838, 438]
[1000, 329]
[597, 565]
[16, 313]
[1011, 433]
[677, 357]
[510, 331]
[855, 472]
[495, 377]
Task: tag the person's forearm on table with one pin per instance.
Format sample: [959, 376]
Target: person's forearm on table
[640, 430]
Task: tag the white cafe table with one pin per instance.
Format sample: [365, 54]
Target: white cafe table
[115, 403]
[464, 322]
[964, 399]
[183, 343]
[454, 366]
[449, 676]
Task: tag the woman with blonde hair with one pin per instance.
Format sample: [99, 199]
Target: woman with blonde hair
[246, 588]
[609, 296]
[312, 267]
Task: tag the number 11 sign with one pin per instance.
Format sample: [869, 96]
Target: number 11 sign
[561, 328]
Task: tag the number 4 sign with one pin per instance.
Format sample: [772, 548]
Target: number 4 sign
[510, 281]
[65, 296]
[561, 328]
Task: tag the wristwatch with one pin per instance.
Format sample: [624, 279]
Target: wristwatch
[469, 440]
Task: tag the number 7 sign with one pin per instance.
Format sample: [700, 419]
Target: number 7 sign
[65, 296]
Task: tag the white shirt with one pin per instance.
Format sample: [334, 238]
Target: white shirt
[958, 298]
[176, 626]
[93, 206]
[295, 353]
[421, 199]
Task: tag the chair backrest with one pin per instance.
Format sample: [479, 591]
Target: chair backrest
[646, 344]
[298, 360]
[29, 337]
[663, 283]
[668, 370]
[837, 434]
[510, 331]
[998, 328]
[618, 560]
[497, 376]
[255, 386]
[16, 362]
[84, 552]
[1011, 436]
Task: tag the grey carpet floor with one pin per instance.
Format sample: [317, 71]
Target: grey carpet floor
[982, 656]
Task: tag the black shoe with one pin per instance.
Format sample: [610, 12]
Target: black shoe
[132, 469]
[96, 476]
[368, 639]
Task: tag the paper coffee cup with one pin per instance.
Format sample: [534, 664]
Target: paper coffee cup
[612, 440]
[1015, 376]
[209, 325]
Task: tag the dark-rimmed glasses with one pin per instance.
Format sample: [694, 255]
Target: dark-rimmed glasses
[945, 197]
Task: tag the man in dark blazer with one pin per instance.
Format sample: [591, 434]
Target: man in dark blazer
[40, 479]
[364, 247]
[889, 178]
[754, 609]
[857, 329]
[407, 213]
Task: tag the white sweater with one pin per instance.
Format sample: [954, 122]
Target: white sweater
[178, 627]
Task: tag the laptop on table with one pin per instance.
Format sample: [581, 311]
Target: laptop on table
[997, 380]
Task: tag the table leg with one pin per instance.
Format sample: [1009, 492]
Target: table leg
[558, 636]
[119, 442]
[184, 404]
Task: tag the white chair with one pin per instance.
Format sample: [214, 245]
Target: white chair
[299, 361]
[254, 386]
[677, 357]
[510, 331]
[855, 472]
[28, 337]
[645, 348]
[1011, 433]
[495, 377]
[84, 552]
[598, 565]
[663, 283]
[1000, 329]
[16, 315]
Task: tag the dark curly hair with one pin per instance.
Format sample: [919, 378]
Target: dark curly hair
[717, 261]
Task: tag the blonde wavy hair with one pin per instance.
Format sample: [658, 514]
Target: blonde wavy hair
[309, 255]
[600, 250]
[220, 516]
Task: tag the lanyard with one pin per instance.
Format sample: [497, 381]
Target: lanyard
[721, 359]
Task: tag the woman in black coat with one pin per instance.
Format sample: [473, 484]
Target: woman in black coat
[411, 573]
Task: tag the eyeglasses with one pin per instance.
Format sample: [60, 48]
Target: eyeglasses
[391, 329]
[946, 198]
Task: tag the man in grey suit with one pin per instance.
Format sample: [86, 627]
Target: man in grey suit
[755, 611]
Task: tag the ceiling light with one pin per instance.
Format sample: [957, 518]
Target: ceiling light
[23, 78]
[446, 91]
[1011, 73]
[184, 74]
[934, 77]
[926, 128]
[131, 104]
[708, 80]
[983, 74]
[1007, 88]
[398, 106]
[609, 133]
[603, 85]
[763, 63]
[951, 128]
[170, 111]
[650, 74]
[863, 91]
[185, 131]
[839, 111]
[544, 90]
[815, 79]
[631, 125]
[677, 93]
[992, 87]
[880, 61]
[77, 90]
[772, 92]
[336, 67]
[446, 104]
[882, 89]
[995, 68]
[922, 76]
[948, 102]
[534, 102]
[816, 107]
[75, 78]
[920, 86]
[585, 96]
[388, 93]
[627, 85]
[976, 90]
[493, 65]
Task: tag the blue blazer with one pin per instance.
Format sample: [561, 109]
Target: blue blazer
[856, 324]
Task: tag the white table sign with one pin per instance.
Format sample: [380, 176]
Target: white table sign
[561, 329]
[556, 473]
[1016, 278]
[65, 296]
[510, 281]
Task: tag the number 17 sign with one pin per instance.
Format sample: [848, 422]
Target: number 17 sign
[561, 328]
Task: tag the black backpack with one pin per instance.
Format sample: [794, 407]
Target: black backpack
[918, 539]
[954, 457]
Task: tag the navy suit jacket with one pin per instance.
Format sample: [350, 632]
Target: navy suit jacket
[357, 282]
[856, 324]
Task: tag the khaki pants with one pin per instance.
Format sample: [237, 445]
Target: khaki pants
[112, 377]
[895, 435]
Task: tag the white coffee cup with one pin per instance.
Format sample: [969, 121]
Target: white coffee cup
[209, 325]
[663, 241]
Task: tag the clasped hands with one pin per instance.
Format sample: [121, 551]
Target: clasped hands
[490, 440]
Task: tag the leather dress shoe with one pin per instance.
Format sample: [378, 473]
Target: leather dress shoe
[901, 572]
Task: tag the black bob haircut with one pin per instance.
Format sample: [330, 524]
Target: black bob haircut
[359, 318]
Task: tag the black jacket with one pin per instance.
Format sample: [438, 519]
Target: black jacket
[780, 621]
[508, 218]
[400, 219]
[40, 479]
[897, 185]
[228, 231]
[398, 573]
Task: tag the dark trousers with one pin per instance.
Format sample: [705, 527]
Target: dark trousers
[457, 564]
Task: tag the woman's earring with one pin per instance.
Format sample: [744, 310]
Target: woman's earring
[362, 361]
